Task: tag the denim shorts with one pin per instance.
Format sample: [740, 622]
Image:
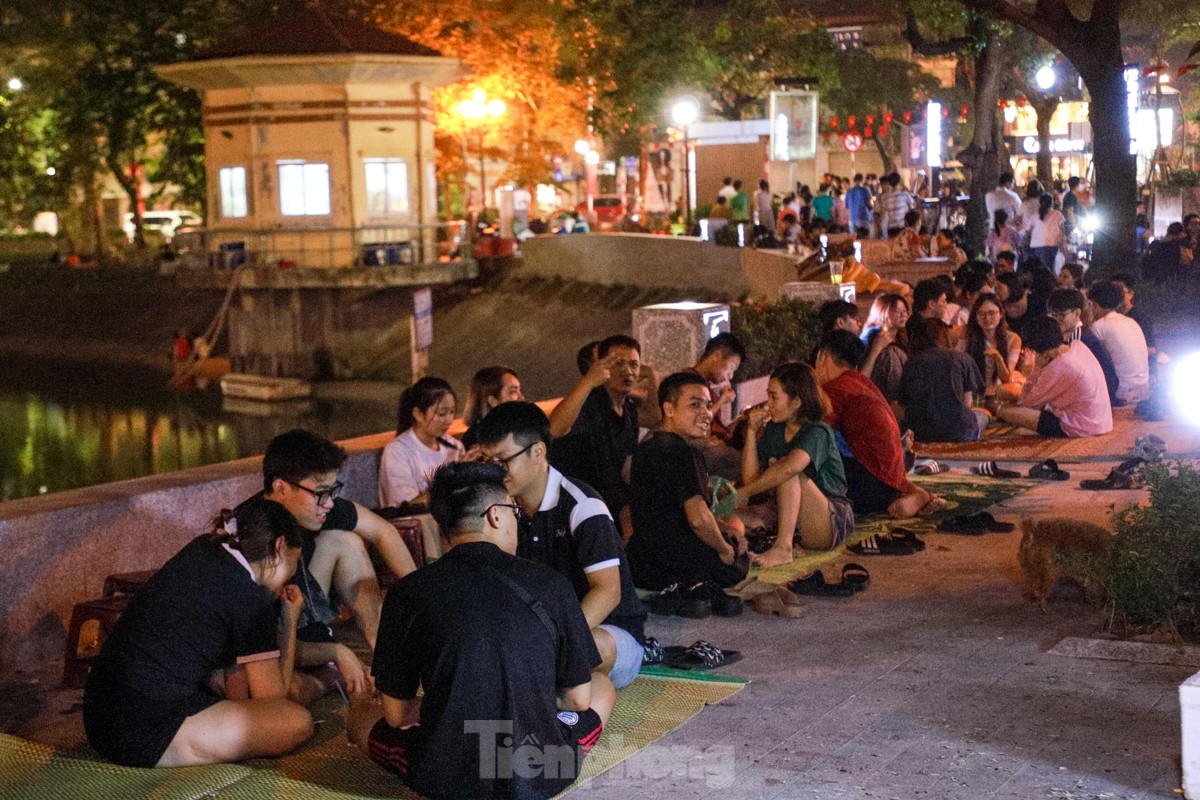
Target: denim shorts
[629, 656]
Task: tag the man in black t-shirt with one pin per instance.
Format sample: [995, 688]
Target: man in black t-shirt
[676, 538]
[595, 426]
[300, 471]
[501, 650]
[568, 528]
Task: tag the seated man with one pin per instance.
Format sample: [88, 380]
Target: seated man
[300, 473]
[567, 527]
[1006, 262]
[930, 299]
[501, 650]
[839, 315]
[874, 457]
[595, 426]
[676, 539]
[939, 387]
[1124, 340]
[1065, 395]
[1065, 306]
[722, 356]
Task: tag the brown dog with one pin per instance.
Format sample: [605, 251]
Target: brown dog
[1062, 548]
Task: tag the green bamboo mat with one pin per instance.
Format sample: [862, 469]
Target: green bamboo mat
[327, 767]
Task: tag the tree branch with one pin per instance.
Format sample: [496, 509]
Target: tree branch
[922, 46]
[1051, 20]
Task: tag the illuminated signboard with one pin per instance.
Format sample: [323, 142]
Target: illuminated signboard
[793, 125]
[933, 133]
[847, 38]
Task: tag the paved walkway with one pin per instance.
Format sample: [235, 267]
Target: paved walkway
[934, 683]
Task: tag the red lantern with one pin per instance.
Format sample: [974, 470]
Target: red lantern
[833, 123]
[945, 112]
[826, 135]
[870, 120]
[907, 117]
[867, 131]
[962, 110]
[883, 129]
[851, 121]
[887, 118]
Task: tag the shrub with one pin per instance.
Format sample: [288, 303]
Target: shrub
[783, 330]
[1155, 564]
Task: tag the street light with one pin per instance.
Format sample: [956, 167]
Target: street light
[684, 113]
[1045, 78]
[15, 84]
[477, 108]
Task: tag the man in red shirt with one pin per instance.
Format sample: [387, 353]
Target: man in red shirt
[875, 473]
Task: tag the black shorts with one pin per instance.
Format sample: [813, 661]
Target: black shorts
[867, 494]
[1050, 426]
[133, 729]
[390, 747]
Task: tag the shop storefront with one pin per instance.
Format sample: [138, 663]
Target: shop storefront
[1070, 140]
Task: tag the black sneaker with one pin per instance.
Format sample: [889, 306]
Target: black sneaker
[723, 605]
[692, 603]
[652, 652]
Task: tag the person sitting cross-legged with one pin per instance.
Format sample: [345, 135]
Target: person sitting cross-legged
[939, 387]
[873, 457]
[151, 698]
[1124, 340]
[789, 449]
[501, 650]
[676, 539]
[1065, 395]
[566, 526]
[300, 472]
[1066, 307]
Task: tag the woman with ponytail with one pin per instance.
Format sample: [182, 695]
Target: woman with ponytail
[422, 443]
[214, 607]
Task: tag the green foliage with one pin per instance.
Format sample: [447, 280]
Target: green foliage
[1155, 562]
[1184, 178]
[775, 332]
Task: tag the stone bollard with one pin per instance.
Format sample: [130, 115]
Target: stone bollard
[817, 293]
[673, 335]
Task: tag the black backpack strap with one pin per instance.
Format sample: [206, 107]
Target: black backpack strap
[529, 600]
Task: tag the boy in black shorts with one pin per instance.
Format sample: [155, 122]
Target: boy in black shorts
[502, 651]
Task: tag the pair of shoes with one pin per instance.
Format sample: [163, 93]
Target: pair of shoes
[1126, 475]
[855, 579]
[928, 466]
[700, 655]
[692, 602]
[1048, 471]
[975, 524]
[652, 652]
[1150, 448]
[897, 542]
[723, 604]
[777, 603]
[990, 469]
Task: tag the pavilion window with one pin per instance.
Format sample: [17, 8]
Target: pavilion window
[303, 189]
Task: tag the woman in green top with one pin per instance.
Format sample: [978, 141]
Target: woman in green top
[789, 449]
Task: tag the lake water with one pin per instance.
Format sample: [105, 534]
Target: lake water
[64, 429]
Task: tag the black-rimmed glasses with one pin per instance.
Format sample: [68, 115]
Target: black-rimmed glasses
[322, 496]
[504, 461]
[516, 507]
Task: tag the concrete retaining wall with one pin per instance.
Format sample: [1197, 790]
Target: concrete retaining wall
[58, 549]
[637, 259]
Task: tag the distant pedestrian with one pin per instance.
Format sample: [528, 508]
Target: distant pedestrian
[897, 203]
[858, 203]
[739, 206]
[764, 206]
[727, 191]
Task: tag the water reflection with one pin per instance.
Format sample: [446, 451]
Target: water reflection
[57, 434]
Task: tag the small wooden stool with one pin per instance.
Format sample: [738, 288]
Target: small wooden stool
[412, 534]
[105, 611]
[127, 582]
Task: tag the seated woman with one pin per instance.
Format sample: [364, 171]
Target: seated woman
[150, 699]
[908, 245]
[490, 387]
[1066, 395]
[421, 444]
[887, 344]
[789, 449]
[939, 386]
[994, 348]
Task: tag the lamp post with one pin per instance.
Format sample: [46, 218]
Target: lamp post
[684, 113]
[477, 109]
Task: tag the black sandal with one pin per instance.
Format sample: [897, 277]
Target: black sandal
[885, 545]
[965, 524]
[855, 576]
[814, 585]
[1048, 470]
[700, 655]
[909, 536]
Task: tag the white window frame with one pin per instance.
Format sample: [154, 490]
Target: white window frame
[227, 182]
[394, 195]
[305, 188]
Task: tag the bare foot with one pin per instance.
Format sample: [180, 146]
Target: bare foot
[935, 504]
[774, 557]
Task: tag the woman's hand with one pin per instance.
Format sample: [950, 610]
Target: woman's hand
[353, 673]
[293, 601]
[758, 419]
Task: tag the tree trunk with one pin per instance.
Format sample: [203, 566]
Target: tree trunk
[1044, 110]
[129, 183]
[983, 155]
[885, 151]
[1116, 168]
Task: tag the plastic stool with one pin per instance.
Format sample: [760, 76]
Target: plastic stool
[105, 611]
[127, 582]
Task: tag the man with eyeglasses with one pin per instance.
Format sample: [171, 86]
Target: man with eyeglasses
[1065, 306]
[300, 471]
[568, 527]
[511, 702]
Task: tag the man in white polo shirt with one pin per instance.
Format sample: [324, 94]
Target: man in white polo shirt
[1124, 340]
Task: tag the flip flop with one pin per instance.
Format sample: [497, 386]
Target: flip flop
[994, 525]
[700, 655]
[928, 466]
[1048, 471]
[779, 603]
[814, 585]
[990, 469]
[1126, 475]
[966, 524]
[855, 576]
[909, 536]
[883, 545]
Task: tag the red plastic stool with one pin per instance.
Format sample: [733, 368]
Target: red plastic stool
[105, 611]
[413, 536]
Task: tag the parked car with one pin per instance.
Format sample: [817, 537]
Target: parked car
[164, 223]
[608, 210]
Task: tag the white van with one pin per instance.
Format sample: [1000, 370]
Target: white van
[165, 223]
